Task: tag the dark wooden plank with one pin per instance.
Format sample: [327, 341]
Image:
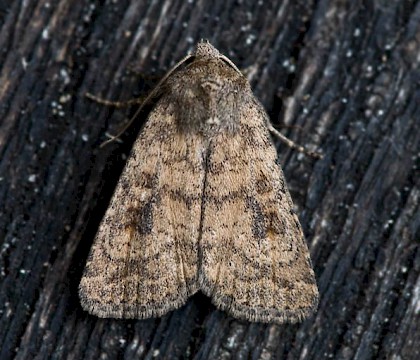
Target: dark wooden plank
[344, 74]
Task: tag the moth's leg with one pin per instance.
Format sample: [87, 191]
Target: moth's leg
[117, 104]
[292, 144]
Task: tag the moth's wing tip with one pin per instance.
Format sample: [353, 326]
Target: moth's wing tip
[131, 311]
[113, 311]
[252, 314]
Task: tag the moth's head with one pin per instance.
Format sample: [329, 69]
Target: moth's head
[205, 50]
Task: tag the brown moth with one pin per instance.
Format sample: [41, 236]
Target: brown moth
[202, 205]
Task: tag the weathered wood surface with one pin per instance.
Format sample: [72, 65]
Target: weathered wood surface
[343, 74]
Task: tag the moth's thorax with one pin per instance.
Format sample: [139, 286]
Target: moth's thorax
[207, 95]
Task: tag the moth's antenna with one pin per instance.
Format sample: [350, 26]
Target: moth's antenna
[153, 93]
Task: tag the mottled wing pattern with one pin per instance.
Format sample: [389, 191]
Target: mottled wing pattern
[254, 260]
[143, 262]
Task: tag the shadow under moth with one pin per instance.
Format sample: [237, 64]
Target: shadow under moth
[202, 205]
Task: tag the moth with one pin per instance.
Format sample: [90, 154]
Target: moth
[202, 205]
